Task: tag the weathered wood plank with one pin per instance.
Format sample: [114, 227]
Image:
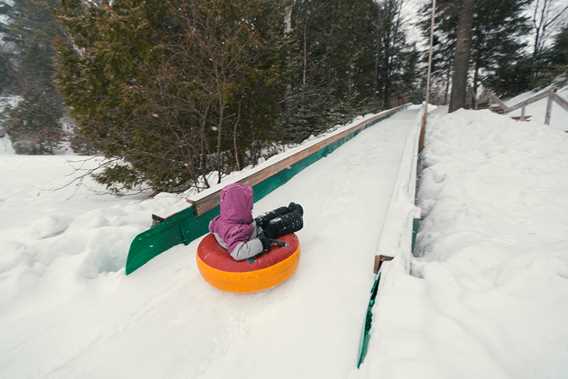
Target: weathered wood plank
[209, 202]
[522, 118]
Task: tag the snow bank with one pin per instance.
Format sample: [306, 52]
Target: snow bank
[48, 226]
[105, 250]
[489, 296]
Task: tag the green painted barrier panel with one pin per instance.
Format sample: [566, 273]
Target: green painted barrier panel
[415, 230]
[185, 226]
[365, 334]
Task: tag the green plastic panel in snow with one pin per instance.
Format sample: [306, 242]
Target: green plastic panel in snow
[415, 230]
[185, 226]
[365, 334]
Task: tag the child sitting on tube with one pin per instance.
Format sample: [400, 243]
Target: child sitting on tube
[244, 237]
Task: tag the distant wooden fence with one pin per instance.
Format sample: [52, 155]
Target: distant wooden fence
[500, 107]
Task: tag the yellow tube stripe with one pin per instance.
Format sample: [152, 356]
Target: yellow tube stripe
[250, 281]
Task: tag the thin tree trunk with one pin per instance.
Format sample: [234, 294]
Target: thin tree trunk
[305, 68]
[475, 83]
[377, 84]
[448, 81]
[203, 139]
[386, 62]
[219, 132]
[461, 61]
[235, 132]
[386, 96]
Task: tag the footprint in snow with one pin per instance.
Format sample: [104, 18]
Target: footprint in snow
[49, 226]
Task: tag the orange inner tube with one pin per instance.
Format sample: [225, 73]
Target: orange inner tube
[262, 272]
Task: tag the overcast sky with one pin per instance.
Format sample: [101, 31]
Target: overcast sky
[410, 12]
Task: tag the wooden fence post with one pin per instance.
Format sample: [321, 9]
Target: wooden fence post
[551, 94]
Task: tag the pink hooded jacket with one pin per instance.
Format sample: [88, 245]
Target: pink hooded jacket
[235, 223]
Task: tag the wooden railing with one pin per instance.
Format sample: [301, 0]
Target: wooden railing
[551, 94]
[210, 201]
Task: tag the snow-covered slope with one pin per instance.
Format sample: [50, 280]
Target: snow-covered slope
[68, 311]
[489, 298]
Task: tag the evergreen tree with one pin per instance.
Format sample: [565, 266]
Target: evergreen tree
[344, 58]
[444, 43]
[397, 62]
[497, 45]
[559, 52]
[7, 69]
[411, 82]
[170, 90]
[308, 99]
[34, 124]
[390, 44]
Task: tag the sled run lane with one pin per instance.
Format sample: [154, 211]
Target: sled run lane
[164, 321]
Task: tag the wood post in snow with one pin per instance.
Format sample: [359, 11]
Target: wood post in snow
[551, 94]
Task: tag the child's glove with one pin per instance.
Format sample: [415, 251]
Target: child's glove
[296, 208]
[267, 243]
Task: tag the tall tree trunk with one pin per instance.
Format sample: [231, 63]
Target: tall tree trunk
[461, 62]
